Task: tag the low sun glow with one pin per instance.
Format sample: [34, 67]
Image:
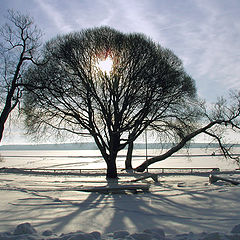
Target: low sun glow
[105, 65]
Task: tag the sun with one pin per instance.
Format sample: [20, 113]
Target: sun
[105, 65]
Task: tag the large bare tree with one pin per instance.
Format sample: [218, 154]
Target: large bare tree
[145, 83]
[19, 42]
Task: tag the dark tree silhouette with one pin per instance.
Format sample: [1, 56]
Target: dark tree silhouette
[19, 42]
[146, 84]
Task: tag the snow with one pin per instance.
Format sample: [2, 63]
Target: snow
[51, 206]
[177, 207]
[25, 231]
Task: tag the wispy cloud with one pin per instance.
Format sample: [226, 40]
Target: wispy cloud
[215, 64]
[57, 18]
[204, 34]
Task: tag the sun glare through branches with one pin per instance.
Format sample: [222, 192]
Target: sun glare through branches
[105, 65]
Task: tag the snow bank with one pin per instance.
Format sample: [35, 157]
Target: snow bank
[26, 231]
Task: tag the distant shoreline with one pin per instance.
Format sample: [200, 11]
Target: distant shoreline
[93, 146]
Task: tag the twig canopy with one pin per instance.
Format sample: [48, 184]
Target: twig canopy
[144, 84]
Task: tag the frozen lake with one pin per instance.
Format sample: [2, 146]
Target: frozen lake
[92, 159]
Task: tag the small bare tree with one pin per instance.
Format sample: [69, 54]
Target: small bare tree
[221, 120]
[19, 44]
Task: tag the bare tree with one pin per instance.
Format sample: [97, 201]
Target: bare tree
[221, 120]
[146, 83]
[19, 42]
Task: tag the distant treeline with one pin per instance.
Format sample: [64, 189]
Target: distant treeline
[92, 146]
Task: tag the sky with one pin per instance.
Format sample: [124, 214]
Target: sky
[205, 34]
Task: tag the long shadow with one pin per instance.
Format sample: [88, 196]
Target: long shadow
[196, 211]
[201, 208]
[148, 210]
[171, 208]
[92, 201]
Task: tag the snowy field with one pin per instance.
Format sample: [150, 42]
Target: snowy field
[177, 207]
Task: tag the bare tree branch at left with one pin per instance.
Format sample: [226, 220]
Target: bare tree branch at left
[19, 44]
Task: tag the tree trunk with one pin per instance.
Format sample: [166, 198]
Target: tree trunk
[6, 111]
[1, 130]
[9, 106]
[111, 168]
[110, 158]
[128, 161]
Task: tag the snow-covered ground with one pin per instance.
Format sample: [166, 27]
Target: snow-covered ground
[178, 207]
[183, 206]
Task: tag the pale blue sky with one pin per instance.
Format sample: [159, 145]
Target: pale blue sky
[205, 34]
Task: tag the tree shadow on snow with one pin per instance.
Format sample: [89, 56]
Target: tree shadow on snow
[179, 210]
[175, 209]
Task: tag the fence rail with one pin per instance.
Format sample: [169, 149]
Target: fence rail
[121, 171]
[191, 170]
